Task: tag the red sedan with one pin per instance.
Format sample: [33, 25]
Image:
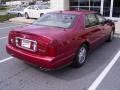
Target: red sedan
[60, 38]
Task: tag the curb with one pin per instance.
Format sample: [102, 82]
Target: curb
[22, 20]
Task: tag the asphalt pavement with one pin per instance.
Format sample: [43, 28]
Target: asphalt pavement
[101, 72]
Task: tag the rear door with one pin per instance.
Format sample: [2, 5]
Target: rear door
[93, 30]
[33, 12]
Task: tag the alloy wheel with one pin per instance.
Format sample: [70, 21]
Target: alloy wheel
[82, 55]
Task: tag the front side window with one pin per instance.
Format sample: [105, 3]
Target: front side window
[56, 20]
[101, 19]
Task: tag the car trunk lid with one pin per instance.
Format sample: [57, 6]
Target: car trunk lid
[37, 39]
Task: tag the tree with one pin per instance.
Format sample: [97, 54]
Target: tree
[5, 0]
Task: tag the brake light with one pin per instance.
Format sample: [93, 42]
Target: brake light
[11, 37]
[52, 49]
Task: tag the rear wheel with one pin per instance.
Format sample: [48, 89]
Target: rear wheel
[41, 14]
[81, 55]
[26, 16]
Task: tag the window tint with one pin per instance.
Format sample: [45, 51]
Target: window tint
[100, 18]
[33, 7]
[92, 19]
[56, 20]
[30, 7]
[39, 7]
[87, 24]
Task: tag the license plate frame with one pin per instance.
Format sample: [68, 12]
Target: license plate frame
[25, 46]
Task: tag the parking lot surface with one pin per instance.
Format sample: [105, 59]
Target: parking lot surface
[16, 75]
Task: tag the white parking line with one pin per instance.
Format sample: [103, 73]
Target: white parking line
[117, 36]
[4, 60]
[99, 79]
[10, 26]
[3, 37]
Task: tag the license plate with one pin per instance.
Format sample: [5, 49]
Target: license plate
[26, 44]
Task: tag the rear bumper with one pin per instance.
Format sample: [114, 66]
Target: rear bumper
[45, 62]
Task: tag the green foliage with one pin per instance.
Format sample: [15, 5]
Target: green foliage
[3, 8]
[5, 0]
[6, 17]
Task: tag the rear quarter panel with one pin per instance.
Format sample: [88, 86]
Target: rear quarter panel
[71, 40]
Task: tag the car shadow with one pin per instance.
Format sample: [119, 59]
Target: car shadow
[96, 62]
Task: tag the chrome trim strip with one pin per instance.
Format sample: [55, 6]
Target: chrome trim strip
[24, 47]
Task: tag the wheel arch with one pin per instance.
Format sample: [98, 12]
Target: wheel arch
[87, 44]
[113, 29]
[41, 14]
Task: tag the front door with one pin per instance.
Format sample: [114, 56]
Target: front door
[93, 30]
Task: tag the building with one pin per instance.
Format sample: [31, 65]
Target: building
[109, 8]
[18, 2]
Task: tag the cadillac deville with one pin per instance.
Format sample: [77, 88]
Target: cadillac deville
[60, 38]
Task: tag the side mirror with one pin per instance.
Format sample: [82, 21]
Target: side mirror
[37, 9]
[108, 21]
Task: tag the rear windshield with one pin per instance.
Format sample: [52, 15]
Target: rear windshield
[43, 7]
[56, 20]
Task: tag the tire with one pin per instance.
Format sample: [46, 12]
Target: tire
[41, 14]
[80, 57]
[111, 36]
[19, 15]
[26, 16]
[8, 14]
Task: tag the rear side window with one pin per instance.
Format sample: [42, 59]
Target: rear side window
[92, 19]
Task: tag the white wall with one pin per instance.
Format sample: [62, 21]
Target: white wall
[59, 4]
[12, 3]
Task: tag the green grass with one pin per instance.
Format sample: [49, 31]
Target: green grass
[6, 17]
[3, 8]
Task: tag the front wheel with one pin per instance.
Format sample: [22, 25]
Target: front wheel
[111, 36]
[26, 16]
[80, 57]
[41, 14]
[19, 15]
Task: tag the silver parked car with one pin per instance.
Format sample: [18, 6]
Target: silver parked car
[16, 11]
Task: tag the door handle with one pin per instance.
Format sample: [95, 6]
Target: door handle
[95, 30]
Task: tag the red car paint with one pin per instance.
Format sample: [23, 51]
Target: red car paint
[57, 47]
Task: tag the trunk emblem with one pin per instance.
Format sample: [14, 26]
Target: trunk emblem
[24, 36]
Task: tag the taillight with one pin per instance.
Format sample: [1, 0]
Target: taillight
[52, 49]
[11, 40]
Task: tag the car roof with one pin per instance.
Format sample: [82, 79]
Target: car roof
[79, 12]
